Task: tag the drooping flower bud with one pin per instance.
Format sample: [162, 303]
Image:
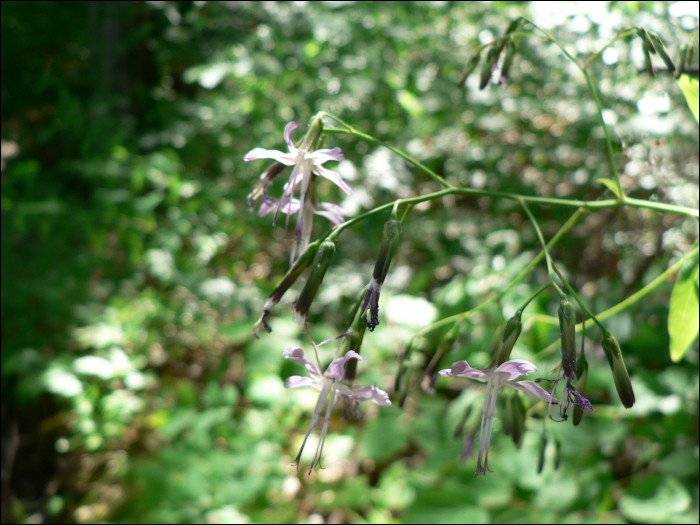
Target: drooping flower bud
[472, 64]
[661, 49]
[516, 411]
[266, 179]
[387, 250]
[507, 61]
[567, 325]
[557, 452]
[541, 449]
[646, 40]
[489, 64]
[321, 261]
[581, 380]
[619, 370]
[445, 346]
[287, 281]
[510, 335]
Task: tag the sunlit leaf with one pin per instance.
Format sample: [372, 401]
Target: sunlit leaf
[689, 87]
[683, 314]
[611, 185]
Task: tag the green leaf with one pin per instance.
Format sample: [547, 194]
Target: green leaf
[683, 315]
[655, 500]
[689, 87]
[611, 185]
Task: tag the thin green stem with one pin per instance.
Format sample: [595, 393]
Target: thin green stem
[632, 299]
[579, 301]
[538, 292]
[620, 35]
[584, 71]
[550, 272]
[369, 138]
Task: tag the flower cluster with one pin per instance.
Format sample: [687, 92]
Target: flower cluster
[307, 161]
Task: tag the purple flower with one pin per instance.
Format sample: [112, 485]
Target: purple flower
[331, 387]
[305, 163]
[290, 205]
[496, 379]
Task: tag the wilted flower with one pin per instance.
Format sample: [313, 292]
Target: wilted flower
[331, 387]
[305, 162]
[495, 379]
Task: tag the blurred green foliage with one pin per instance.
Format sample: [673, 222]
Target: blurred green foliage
[133, 271]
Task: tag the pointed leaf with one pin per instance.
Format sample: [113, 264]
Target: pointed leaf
[610, 184]
[689, 87]
[683, 315]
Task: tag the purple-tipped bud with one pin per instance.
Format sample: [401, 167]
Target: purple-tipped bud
[287, 281]
[619, 370]
[581, 380]
[387, 250]
[567, 325]
[322, 260]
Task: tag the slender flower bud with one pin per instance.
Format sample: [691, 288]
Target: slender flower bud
[510, 335]
[567, 325]
[387, 250]
[661, 49]
[507, 61]
[646, 40]
[617, 365]
[581, 380]
[322, 260]
[266, 179]
[647, 62]
[557, 452]
[489, 64]
[682, 57]
[472, 64]
[287, 281]
[540, 453]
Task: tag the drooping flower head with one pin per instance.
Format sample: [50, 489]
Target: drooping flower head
[331, 387]
[496, 379]
[306, 162]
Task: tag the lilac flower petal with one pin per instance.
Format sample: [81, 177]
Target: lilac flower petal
[462, 369]
[333, 177]
[324, 155]
[333, 217]
[297, 381]
[531, 388]
[269, 204]
[291, 126]
[260, 153]
[516, 367]
[297, 354]
[334, 208]
[368, 393]
[335, 369]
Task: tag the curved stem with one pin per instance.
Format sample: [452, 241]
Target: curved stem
[627, 302]
[584, 71]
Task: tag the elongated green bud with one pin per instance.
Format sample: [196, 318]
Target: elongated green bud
[353, 342]
[472, 64]
[387, 250]
[322, 260]
[581, 380]
[445, 346]
[541, 449]
[557, 452]
[517, 410]
[513, 26]
[287, 281]
[510, 335]
[487, 68]
[647, 62]
[661, 49]
[646, 40]
[567, 325]
[313, 134]
[619, 370]
[508, 60]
